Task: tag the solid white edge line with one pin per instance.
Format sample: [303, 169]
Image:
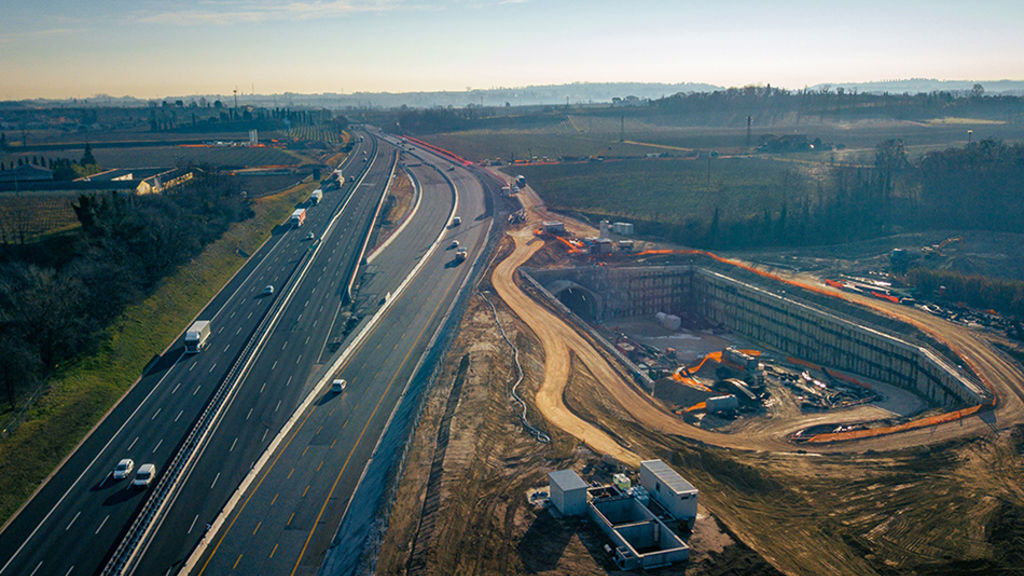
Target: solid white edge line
[426, 351]
[116, 404]
[315, 393]
[202, 441]
[405, 222]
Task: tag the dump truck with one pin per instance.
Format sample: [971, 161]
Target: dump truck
[196, 336]
[298, 217]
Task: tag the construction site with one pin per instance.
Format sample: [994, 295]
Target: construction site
[856, 425]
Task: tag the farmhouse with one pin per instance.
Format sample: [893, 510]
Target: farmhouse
[142, 180]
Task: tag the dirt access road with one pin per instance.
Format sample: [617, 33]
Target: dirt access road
[560, 342]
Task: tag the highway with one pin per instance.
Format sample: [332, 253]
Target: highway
[74, 521]
[279, 377]
[284, 519]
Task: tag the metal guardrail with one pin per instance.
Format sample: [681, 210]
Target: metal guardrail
[167, 486]
[163, 494]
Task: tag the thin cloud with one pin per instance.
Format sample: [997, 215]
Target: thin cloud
[8, 37]
[219, 13]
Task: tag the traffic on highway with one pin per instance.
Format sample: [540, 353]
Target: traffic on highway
[242, 445]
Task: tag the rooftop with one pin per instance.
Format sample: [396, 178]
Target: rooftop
[567, 480]
[670, 477]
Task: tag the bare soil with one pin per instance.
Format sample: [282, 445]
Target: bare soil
[941, 500]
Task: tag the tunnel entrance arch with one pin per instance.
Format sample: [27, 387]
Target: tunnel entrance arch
[581, 300]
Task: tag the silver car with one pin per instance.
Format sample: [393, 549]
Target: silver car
[144, 477]
[123, 469]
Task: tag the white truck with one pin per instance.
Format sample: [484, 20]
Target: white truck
[298, 217]
[196, 336]
[317, 196]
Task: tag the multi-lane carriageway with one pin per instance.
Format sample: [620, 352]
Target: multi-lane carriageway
[76, 518]
[276, 349]
[283, 520]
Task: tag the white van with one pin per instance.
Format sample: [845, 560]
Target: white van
[338, 386]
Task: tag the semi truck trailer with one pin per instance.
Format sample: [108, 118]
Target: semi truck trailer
[196, 336]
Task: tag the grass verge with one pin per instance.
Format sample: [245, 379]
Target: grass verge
[85, 389]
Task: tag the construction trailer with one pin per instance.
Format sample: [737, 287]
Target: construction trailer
[555, 227]
[669, 489]
[623, 228]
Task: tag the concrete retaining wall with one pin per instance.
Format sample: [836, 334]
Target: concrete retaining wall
[795, 327]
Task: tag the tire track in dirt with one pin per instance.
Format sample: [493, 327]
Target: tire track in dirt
[558, 339]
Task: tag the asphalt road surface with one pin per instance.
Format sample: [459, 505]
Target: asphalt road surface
[283, 523]
[74, 521]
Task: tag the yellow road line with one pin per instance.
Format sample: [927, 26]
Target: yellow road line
[369, 420]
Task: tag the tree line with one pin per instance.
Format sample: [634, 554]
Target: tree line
[57, 295]
[975, 187]
[1004, 295]
[64, 169]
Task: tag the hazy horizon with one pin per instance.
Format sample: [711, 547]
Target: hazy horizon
[150, 49]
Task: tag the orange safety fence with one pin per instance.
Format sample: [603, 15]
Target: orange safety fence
[884, 430]
[815, 289]
[447, 153]
[741, 266]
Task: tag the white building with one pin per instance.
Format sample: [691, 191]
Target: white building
[670, 490]
[568, 492]
[623, 228]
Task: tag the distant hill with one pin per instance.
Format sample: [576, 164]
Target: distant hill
[545, 95]
[917, 85]
[576, 93]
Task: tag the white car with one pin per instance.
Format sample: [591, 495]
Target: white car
[145, 475]
[454, 245]
[338, 386]
[268, 290]
[310, 236]
[123, 469]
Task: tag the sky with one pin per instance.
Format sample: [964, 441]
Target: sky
[151, 49]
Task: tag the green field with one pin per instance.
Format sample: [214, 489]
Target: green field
[630, 135]
[171, 156]
[670, 191]
[26, 215]
[82, 391]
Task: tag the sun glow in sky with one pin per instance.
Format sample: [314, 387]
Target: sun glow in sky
[145, 48]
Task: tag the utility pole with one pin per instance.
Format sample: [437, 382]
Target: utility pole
[748, 130]
[622, 128]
